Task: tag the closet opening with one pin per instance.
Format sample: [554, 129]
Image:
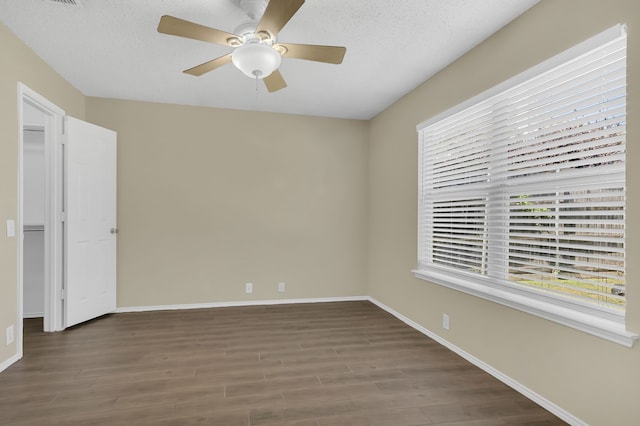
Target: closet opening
[33, 211]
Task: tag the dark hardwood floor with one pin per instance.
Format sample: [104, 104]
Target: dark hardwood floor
[319, 364]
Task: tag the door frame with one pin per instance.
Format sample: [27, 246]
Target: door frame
[54, 227]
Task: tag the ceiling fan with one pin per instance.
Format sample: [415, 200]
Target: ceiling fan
[256, 50]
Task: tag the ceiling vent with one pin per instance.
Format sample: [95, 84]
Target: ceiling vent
[75, 3]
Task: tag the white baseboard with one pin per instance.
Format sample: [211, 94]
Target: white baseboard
[33, 315]
[238, 303]
[6, 364]
[535, 397]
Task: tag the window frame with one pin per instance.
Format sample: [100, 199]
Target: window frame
[607, 325]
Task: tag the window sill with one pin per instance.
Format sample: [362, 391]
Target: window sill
[608, 329]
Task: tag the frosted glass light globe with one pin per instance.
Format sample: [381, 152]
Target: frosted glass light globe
[256, 60]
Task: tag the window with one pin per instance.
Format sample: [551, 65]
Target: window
[522, 190]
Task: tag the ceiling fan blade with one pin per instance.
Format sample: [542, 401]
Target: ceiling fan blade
[277, 14]
[198, 70]
[274, 81]
[310, 52]
[181, 28]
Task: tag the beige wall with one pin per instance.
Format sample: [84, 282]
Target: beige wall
[20, 64]
[594, 380]
[209, 199]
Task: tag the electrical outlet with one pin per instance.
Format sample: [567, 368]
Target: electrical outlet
[281, 287]
[445, 321]
[10, 336]
[248, 288]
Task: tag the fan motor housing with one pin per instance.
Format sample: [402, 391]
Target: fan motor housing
[246, 28]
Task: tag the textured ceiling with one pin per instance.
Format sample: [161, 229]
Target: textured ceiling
[110, 48]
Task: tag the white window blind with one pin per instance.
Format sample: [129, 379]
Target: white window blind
[525, 189]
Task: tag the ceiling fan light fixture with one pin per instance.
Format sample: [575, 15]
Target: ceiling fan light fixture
[256, 53]
[256, 60]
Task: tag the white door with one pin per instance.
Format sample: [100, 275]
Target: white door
[90, 224]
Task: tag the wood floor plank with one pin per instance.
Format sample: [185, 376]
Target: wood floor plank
[323, 364]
